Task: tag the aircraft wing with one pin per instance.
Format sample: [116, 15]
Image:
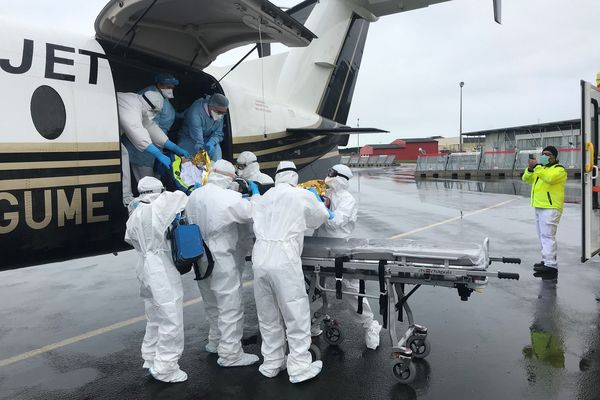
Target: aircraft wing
[195, 32]
[344, 130]
[380, 8]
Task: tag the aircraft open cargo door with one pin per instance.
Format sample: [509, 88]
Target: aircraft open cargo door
[590, 205]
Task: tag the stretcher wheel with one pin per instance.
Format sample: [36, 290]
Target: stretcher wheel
[333, 335]
[405, 371]
[315, 352]
[420, 346]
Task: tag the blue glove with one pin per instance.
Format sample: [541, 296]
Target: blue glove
[176, 149]
[253, 188]
[197, 185]
[314, 191]
[330, 213]
[210, 149]
[164, 160]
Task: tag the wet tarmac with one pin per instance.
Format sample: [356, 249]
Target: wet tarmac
[72, 330]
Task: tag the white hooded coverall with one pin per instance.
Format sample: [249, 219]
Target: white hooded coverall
[281, 216]
[217, 211]
[135, 121]
[160, 281]
[245, 232]
[342, 225]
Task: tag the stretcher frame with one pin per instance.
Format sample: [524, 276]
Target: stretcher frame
[394, 272]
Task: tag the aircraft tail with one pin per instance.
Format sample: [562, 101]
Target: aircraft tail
[322, 76]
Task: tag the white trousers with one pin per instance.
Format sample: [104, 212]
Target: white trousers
[366, 318]
[547, 220]
[138, 171]
[162, 292]
[283, 310]
[221, 293]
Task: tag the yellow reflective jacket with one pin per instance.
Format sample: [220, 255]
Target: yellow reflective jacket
[548, 186]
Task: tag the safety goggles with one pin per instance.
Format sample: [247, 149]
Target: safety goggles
[332, 173]
[287, 169]
[243, 166]
[151, 191]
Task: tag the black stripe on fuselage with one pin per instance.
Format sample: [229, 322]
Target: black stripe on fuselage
[338, 94]
[57, 172]
[313, 149]
[59, 156]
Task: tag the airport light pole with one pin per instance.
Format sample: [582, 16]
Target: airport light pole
[460, 140]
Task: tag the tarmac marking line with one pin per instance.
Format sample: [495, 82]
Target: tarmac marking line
[423, 228]
[90, 334]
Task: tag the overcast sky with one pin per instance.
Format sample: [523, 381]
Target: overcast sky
[522, 72]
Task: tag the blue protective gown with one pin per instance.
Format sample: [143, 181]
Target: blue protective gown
[199, 128]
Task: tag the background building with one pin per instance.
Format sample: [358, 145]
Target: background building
[403, 149]
[560, 134]
[452, 144]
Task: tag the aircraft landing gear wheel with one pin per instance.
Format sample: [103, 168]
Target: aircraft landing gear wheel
[420, 346]
[404, 371]
[333, 335]
[315, 352]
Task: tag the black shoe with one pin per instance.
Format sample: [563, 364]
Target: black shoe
[547, 275]
[539, 265]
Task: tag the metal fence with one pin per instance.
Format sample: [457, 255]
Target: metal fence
[432, 162]
[382, 160]
[463, 161]
[390, 160]
[498, 160]
[490, 164]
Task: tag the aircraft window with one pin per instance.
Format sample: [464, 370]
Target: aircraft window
[48, 112]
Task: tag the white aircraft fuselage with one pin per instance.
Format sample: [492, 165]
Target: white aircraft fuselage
[60, 160]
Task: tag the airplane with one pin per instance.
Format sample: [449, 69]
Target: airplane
[60, 159]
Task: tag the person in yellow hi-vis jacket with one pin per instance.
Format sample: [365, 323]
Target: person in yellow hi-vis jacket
[548, 179]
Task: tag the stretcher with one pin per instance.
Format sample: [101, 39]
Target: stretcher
[394, 264]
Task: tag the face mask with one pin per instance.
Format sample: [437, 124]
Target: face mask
[215, 116]
[544, 159]
[168, 93]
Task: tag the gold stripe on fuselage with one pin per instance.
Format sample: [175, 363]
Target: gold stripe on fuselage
[58, 181]
[58, 164]
[45, 147]
[270, 136]
[299, 161]
[272, 150]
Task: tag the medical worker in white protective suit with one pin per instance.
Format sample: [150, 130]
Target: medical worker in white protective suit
[280, 217]
[217, 211]
[341, 225]
[248, 169]
[160, 281]
[136, 122]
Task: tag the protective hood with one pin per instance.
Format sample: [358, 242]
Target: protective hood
[221, 174]
[288, 174]
[194, 32]
[149, 188]
[151, 101]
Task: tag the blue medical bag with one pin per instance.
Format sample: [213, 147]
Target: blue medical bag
[186, 244]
